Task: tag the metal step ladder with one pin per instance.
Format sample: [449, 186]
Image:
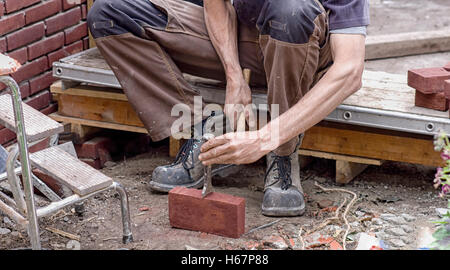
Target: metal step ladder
[31, 126]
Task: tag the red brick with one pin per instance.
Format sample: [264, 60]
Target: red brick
[447, 89]
[21, 55]
[2, 8]
[6, 135]
[50, 181]
[83, 12]
[435, 101]
[45, 46]
[86, 43]
[53, 107]
[13, 5]
[24, 89]
[12, 22]
[41, 82]
[31, 69]
[94, 163]
[42, 11]
[428, 80]
[39, 146]
[67, 4]
[63, 20]
[447, 67]
[92, 148]
[219, 214]
[40, 100]
[75, 33]
[25, 36]
[3, 46]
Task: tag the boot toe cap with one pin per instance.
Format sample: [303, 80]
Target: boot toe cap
[277, 202]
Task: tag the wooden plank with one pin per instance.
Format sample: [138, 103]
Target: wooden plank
[89, 91]
[412, 43]
[325, 155]
[98, 109]
[347, 171]
[83, 133]
[37, 125]
[68, 170]
[92, 123]
[372, 145]
[174, 146]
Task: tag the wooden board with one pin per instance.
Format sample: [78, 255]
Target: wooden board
[372, 145]
[412, 43]
[95, 104]
[92, 123]
[77, 175]
[354, 159]
[347, 171]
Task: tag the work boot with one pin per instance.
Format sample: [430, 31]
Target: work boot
[187, 170]
[283, 193]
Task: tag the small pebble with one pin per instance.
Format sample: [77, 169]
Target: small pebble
[4, 231]
[397, 243]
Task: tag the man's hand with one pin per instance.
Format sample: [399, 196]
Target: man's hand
[235, 148]
[238, 100]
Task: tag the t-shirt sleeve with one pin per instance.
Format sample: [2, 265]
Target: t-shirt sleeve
[347, 13]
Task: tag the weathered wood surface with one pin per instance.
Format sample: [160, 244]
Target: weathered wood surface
[372, 145]
[37, 125]
[403, 44]
[347, 171]
[77, 175]
[380, 90]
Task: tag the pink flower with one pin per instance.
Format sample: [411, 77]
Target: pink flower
[445, 189]
[445, 155]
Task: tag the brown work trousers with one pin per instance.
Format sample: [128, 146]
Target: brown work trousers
[150, 69]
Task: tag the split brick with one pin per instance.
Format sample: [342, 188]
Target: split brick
[218, 213]
[428, 80]
[67, 4]
[63, 20]
[75, 33]
[42, 11]
[25, 36]
[45, 46]
[40, 100]
[13, 5]
[41, 82]
[95, 148]
[447, 67]
[435, 101]
[21, 55]
[31, 69]
[11, 22]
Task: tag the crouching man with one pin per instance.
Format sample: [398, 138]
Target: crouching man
[309, 54]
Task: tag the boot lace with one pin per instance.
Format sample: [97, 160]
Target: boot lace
[185, 152]
[283, 167]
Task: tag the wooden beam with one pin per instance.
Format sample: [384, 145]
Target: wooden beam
[92, 123]
[403, 44]
[372, 145]
[347, 171]
[325, 155]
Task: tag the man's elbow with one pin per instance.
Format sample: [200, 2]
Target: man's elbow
[354, 75]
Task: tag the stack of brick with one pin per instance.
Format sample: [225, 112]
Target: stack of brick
[97, 151]
[37, 33]
[432, 87]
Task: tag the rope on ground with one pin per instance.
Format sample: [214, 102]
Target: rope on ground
[344, 215]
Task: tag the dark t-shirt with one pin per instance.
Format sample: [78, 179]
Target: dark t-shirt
[343, 13]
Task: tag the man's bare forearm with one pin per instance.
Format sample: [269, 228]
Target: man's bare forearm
[221, 22]
[342, 79]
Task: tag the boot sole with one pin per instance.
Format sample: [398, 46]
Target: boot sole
[198, 184]
[283, 212]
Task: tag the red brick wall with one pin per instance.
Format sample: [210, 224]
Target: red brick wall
[37, 33]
